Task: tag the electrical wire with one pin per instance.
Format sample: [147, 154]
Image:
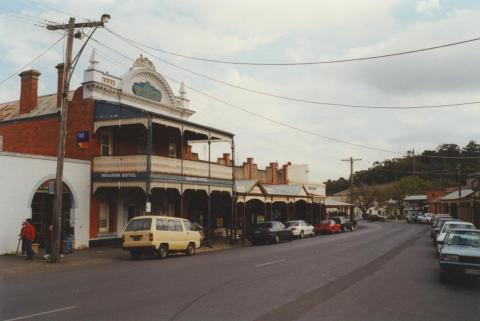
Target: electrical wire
[218, 61]
[33, 60]
[298, 100]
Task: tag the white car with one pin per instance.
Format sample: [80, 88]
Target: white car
[425, 218]
[447, 227]
[300, 228]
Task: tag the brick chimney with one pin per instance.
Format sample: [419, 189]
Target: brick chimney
[28, 90]
[226, 159]
[273, 170]
[250, 167]
[285, 173]
[59, 84]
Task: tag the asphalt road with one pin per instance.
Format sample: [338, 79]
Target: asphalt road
[382, 271]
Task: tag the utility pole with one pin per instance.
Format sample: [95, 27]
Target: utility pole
[459, 170]
[414, 185]
[351, 160]
[62, 134]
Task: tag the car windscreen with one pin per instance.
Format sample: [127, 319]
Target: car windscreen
[264, 225]
[464, 238]
[141, 224]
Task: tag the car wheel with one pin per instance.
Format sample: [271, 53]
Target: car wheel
[302, 235]
[163, 251]
[277, 239]
[190, 249]
[135, 254]
[313, 234]
[290, 239]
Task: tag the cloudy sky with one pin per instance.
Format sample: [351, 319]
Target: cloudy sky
[284, 31]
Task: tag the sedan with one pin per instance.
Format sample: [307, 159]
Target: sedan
[300, 228]
[460, 253]
[328, 226]
[449, 226]
[269, 232]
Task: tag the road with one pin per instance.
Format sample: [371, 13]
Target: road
[381, 271]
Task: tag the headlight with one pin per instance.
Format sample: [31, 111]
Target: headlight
[449, 257]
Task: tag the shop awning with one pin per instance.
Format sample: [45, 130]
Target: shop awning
[120, 122]
[119, 184]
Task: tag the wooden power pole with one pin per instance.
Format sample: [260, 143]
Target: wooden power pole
[351, 160]
[62, 134]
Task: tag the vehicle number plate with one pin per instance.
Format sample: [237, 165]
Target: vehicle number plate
[472, 271]
[136, 237]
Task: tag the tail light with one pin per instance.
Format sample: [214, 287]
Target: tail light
[150, 236]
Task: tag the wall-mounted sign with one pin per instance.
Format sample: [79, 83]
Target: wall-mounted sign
[146, 90]
[83, 138]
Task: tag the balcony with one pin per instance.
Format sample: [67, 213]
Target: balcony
[162, 165]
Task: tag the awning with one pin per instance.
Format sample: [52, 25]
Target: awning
[120, 122]
[119, 184]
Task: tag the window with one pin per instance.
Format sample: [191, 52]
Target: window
[171, 225]
[188, 225]
[1, 143]
[162, 225]
[172, 148]
[106, 144]
[142, 224]
[104, 215]
[178, 226]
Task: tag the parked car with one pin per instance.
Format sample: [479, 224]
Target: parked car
[449, 226]
[411, 217]
[434, 225]
[327, 227]
[300, 228]
[160, 235]
[435, 217]
[376, 217]
[460, 253]
[269, 232]
[345, 225]
[439, 226]
[424, 218]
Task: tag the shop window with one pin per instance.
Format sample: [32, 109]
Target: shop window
[106, 144]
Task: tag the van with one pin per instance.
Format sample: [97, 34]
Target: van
[160, 235]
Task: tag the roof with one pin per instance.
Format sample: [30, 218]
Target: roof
[284, 189]
[46, 104]
[244, 185]
[332, 202]
[454, 195]
[422, 197]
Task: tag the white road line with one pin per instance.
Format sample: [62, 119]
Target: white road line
[271, 262]
[42, 313]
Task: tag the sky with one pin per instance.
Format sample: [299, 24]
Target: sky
[282, 31]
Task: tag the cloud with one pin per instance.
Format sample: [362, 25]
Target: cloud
[428, 6]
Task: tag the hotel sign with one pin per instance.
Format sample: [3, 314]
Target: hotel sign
[146, 90]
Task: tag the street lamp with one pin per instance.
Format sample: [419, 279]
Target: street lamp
[67, 75]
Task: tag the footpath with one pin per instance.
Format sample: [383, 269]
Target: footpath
[14, 265]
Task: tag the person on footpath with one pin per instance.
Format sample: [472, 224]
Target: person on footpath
[28, 235]
[20, 238]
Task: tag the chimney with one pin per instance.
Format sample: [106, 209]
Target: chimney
[285, 173]
[29, 90]
[249, 166]
[273, 169]
[226, 158]
[59, 84]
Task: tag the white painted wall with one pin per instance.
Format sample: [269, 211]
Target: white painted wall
[20, 177]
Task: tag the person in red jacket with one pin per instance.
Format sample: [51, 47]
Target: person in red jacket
[28, 235]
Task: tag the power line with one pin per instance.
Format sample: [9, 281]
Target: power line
[33, 60]
[259, 115]
[449, 157]
[406, 52]
[300, 100]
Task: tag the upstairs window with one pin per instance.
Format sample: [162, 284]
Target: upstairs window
[106, 144]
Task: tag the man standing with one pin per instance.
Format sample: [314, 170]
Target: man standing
[28, 235]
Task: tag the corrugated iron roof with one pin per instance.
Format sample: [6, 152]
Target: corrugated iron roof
[244, 185]
[332, 202]
[283, 189]
[46, 104]
[454, 195]
[416, 198]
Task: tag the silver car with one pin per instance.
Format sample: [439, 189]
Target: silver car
[460, 253]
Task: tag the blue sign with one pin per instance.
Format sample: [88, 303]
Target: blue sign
[145, 89]
[83, 139]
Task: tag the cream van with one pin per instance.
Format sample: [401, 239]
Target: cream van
[160, 235]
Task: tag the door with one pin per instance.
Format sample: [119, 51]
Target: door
[103, 220]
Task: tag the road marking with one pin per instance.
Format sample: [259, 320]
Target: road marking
[271, 262]
[42, 313]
